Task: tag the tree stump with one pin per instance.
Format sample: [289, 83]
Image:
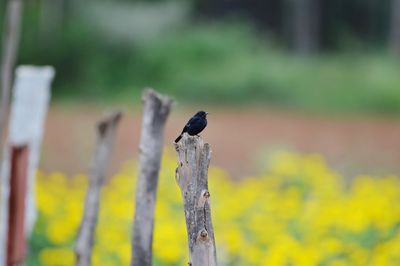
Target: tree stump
[192, 177]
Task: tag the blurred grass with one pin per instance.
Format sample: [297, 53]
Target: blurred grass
[222, 63]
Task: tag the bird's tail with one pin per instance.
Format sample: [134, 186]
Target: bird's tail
[178, 138]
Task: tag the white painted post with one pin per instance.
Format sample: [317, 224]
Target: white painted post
[28, 112]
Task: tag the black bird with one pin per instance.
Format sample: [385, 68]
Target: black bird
[195, 125]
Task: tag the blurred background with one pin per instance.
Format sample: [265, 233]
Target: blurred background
[307, 76]
[311, 75]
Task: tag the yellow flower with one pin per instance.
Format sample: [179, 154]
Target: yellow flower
[296, 213]
[60, 231]
[56, 257]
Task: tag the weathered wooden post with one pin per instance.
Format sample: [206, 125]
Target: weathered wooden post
[192, 177]
[31, 97]
[11, 34]
[106, 130]
[155, 112]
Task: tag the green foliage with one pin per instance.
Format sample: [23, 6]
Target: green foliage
[228, 63]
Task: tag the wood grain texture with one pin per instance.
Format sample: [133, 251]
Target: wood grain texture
[156, 109]
[192, 177]
[106, 130]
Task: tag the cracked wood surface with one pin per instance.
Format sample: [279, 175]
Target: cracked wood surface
[155, 113]
[192, 177]
[106, 130]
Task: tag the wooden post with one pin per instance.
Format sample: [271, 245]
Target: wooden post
[11, 35]
[155, 112]
[16, 246]
[106, 130]
[192, 177]
[31, 97]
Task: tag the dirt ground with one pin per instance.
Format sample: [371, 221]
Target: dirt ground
[239, 137]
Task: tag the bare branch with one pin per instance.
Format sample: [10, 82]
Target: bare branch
[155, 113]
[106, 130]
[192, 177]
[9, 54]
[394, 34]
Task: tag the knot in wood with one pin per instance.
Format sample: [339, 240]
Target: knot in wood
[203, 198]
[203, 234]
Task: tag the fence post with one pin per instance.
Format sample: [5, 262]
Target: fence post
[31, 96]
[155, 112]
[11, 34]
[106, 130]
[16, 241]
[192, 177]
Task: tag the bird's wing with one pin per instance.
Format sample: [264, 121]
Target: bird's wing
[192, 120]
[189, 123]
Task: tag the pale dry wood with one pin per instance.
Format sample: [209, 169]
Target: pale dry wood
[106, 130]
[192, 177]
[155, 113]
[10, 47]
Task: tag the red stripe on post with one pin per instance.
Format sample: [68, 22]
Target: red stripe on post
[16, 246]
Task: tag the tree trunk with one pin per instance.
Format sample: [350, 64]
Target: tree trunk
[394, 41]
[106, 135]
[192, 177]
[155, 113]
[306, 26]
[52, 17]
